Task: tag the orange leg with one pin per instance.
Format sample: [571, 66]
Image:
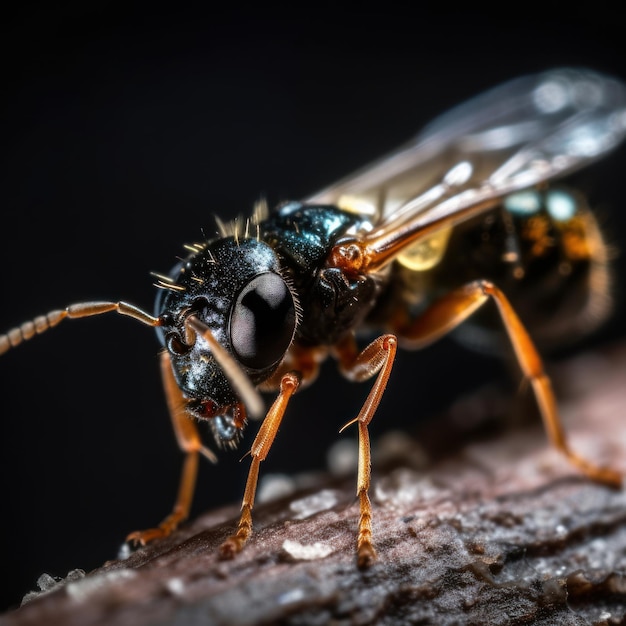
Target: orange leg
[454, 308]
[259, 451]
[377, 358]
[190, 443]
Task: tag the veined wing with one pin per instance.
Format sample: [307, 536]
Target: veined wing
[518, 134]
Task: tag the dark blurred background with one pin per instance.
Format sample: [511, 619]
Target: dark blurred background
[121, 132]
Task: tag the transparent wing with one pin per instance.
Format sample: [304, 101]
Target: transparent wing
[523, 132]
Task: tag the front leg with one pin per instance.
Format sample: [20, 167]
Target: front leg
[377, 358]
[259, 451]
[190, 443]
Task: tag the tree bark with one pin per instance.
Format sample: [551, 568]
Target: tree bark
[498, 529]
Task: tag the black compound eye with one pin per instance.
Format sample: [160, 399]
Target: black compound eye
[262, 322]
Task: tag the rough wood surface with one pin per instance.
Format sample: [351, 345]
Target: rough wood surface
[499, 531]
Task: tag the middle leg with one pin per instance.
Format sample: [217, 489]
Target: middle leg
[377, 358]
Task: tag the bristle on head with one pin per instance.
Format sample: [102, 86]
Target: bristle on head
[166, 282]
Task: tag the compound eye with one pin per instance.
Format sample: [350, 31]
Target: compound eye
[263, 321]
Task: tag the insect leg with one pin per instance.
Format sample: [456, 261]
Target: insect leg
[190, 443]
[454, 308]
[377, 358]
[29, 329]
[259, 451]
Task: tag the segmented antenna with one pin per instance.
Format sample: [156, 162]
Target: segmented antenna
[40, 324]
[29, 329]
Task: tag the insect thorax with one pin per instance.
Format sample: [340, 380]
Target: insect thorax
[331, 302]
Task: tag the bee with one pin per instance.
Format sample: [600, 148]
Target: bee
[464, 219]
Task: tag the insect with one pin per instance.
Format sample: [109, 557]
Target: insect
[410, 247]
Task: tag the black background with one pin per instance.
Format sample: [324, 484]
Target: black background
[122, 131]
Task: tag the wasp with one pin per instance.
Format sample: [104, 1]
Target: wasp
[463, 219]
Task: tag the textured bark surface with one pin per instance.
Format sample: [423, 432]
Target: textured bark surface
[500, 530]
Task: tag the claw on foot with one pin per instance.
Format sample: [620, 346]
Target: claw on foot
[365, 556]
[604, 475]
[143, 537]
[230, 548]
